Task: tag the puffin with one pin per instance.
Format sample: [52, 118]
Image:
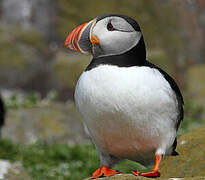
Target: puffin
[131, 107]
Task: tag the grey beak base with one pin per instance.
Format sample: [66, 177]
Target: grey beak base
[84, 40]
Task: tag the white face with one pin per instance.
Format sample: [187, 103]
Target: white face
[115, 35]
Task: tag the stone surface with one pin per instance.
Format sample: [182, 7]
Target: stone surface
[189, 165]
[4, 167]
[132, 177]
[191, 161]
[12, 171]
[55, 123]
[122, 177]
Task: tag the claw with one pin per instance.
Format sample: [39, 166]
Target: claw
[104, 171]
[149, 174]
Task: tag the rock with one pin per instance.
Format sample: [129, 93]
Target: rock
[12, 171]
[132, 177]
[189, 165]
[4, 166]
[55, 123]
[191, 159]
[121, 177]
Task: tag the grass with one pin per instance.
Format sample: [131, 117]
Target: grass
[19, 101]
[59, 161]
[193, 116]
[43, 161]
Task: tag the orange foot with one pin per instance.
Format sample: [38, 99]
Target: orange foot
[152, 174]
[155, 172]
[104, 171]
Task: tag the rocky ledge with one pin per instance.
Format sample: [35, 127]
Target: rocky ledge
[189, 165]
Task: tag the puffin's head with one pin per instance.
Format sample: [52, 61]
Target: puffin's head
[106, 35]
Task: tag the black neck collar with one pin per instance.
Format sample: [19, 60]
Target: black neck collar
[134, 57]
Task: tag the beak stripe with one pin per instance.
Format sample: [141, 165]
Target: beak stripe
[72, 39]
[75, 40]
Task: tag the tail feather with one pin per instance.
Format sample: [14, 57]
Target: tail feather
[175, 153]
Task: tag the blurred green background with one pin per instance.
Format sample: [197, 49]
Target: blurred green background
[43, 130]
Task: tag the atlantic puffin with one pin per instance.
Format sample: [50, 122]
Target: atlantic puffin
[131, 108]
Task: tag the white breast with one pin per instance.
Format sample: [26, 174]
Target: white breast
[128, 111]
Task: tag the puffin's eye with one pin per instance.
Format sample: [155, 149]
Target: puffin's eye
[110, 27]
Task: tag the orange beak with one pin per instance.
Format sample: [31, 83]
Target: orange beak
[81, 40]
[72, 40]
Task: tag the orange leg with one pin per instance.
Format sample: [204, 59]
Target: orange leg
[155, 172]
[104, 171]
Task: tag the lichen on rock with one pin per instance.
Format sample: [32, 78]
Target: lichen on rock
[189, 165]
[191, 159]
[121, 177]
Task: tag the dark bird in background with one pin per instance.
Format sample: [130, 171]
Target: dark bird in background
[2, 115]
[131, 107]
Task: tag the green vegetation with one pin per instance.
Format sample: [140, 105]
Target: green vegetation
[60, 161]
[18, 100]
[43, 161]
[193, 117]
